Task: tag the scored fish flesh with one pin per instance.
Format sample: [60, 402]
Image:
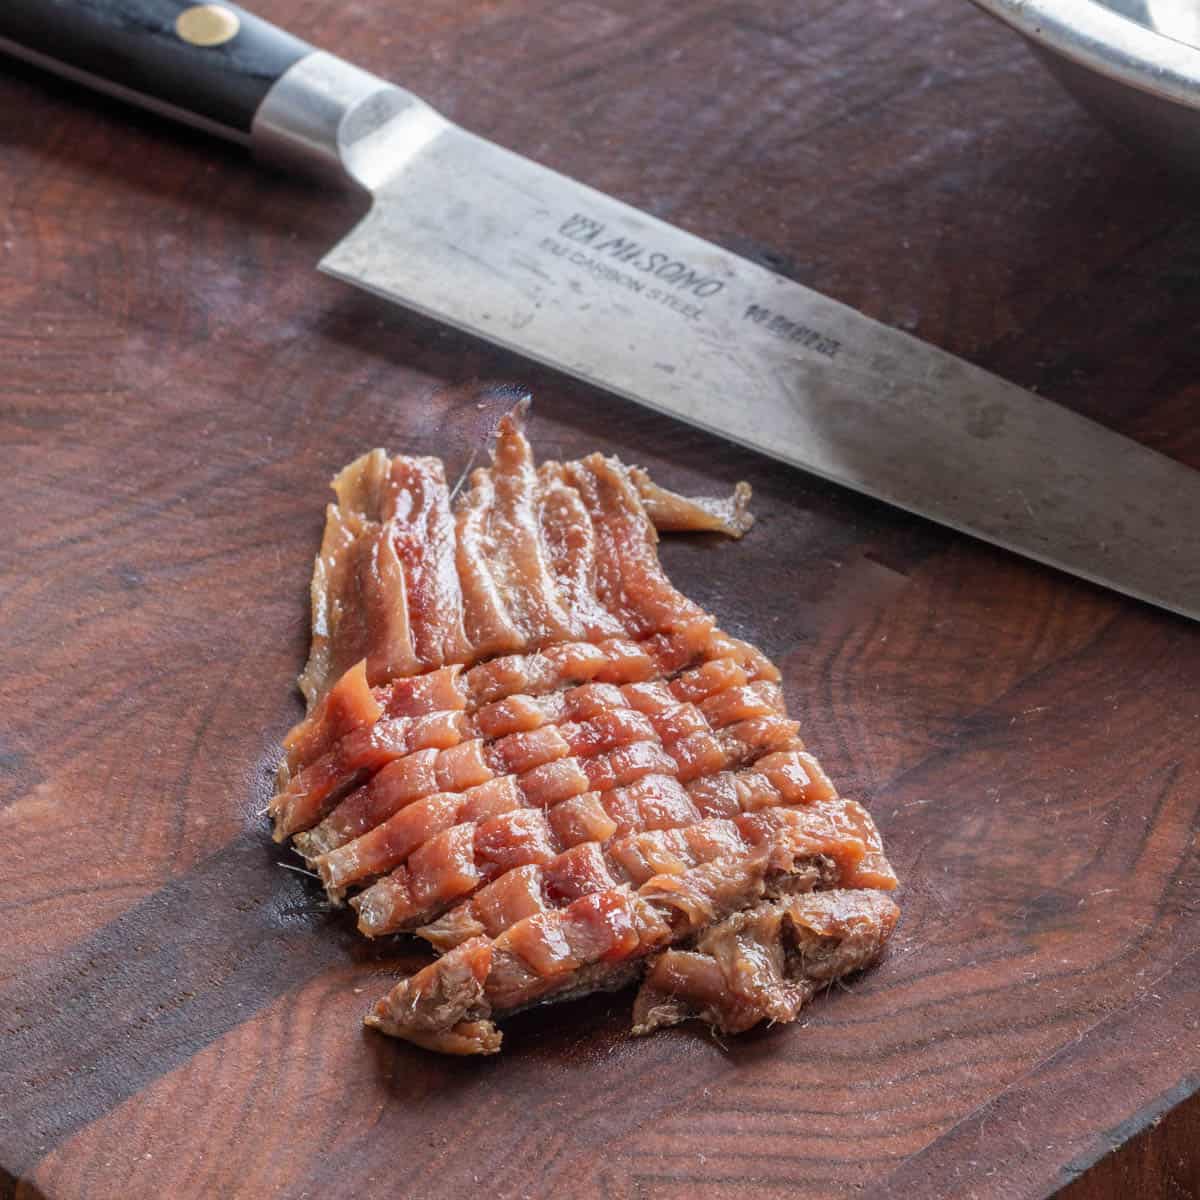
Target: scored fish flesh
[524, 745]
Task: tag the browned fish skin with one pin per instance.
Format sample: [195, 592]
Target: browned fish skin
[764, 963]
[527, 746]
[443, 1009]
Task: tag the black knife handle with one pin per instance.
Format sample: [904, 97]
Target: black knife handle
[209, 68]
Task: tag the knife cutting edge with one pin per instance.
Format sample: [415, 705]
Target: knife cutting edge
[478, 237]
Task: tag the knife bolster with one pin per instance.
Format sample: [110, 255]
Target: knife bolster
[328, 118]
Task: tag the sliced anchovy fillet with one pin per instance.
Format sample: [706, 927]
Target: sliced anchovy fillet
[630, 580]
[525, 745]
[570, 542]
[421, 531]
[520, 562]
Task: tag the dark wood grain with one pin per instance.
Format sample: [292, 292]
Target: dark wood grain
[181, 1017]
[1160, 1163]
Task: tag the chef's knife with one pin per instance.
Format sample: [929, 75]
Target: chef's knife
[478, 237]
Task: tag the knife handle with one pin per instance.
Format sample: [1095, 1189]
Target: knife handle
[221, 69]
[209, 65]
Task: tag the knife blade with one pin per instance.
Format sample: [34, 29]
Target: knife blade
[477, 236]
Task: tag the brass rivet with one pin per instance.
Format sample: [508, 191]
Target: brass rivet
[207, 24]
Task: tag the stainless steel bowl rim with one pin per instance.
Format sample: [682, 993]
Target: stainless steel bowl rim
[1108, 43]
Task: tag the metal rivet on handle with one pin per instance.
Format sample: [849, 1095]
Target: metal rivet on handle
[207, 25]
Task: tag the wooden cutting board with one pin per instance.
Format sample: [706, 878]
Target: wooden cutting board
[178, 1014]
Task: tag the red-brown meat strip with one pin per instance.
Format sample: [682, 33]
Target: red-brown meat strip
[452, 864]
[547, 950]
[442, 690]
[314, 791]
[508, 585]
[576, 947]
[538, 673]
[383, 599]
[399, 783]
[389, 844]
[607, 722]
[653, 803]
[349, 704]
[709, 678]
[339, 633]
[422, 534]
[490, 627]
[630, 580]
[520, 563]
[841, 830]
[500, 711]
[570, 542]
[785, 777]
